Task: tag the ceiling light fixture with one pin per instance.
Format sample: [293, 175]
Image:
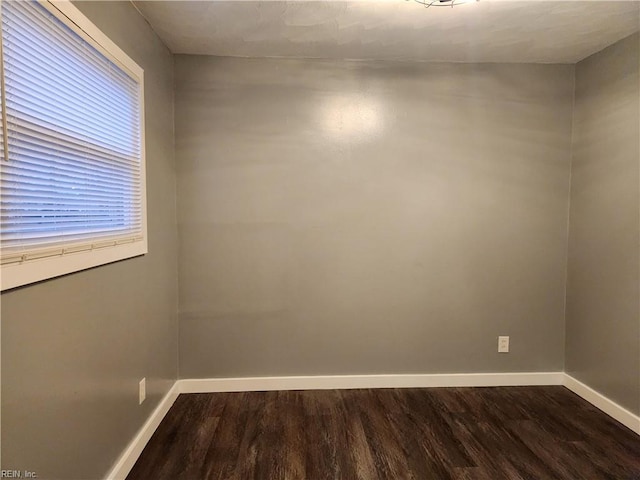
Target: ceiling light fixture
[443, 3]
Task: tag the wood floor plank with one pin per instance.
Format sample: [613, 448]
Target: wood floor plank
[221, 458]
[478, 451]
[422, 461]
[434, 422]
[291, 414]
[387, 452]
[249, 446]
[360, 456]
[501, 433]
[271, 446]
[325, 435]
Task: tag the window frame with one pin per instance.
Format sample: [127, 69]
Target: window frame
[45, 263]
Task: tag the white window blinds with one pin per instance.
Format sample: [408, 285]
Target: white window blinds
[73, 177]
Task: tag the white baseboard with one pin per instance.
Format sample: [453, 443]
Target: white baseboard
[611, 408]
[127, 460]
[337, 382]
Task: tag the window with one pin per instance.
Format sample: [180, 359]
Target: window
[72, 176]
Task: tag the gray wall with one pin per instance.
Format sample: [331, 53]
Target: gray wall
[74, 348]
[401, 235]
[603, 320]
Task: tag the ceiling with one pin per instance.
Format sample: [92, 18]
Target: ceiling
[485, 31]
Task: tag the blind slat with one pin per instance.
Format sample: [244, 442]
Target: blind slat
[23, 131]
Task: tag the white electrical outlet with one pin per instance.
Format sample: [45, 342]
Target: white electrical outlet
[503, 344]
[142, 390]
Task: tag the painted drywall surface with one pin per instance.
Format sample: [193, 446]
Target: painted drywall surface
[74, 348]
[362, 217]
[603, 320]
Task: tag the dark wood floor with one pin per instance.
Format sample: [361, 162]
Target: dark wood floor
[528, 433]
